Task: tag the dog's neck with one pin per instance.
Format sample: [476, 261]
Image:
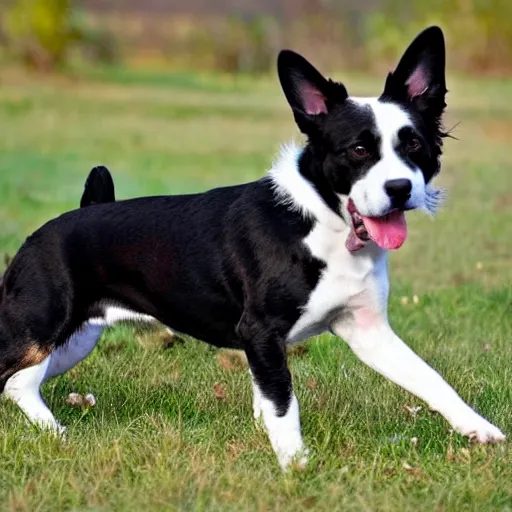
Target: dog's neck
[293, 175]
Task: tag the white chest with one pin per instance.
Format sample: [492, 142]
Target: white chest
[346, 276]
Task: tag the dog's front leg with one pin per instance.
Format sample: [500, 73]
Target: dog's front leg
[266, 354]
[371, 338]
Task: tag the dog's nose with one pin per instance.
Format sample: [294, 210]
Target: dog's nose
[398, 190]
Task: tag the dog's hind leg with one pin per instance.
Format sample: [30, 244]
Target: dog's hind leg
[77, 348]
[24, 388]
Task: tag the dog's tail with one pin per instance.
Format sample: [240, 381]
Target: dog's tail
[99, 187]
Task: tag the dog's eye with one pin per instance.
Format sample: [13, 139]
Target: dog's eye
[414, 144]
[359, 151]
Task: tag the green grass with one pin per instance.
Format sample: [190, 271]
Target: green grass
[173, 429]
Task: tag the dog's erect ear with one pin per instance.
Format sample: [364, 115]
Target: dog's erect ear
[99, 187]
[420, 74]
[309, 94]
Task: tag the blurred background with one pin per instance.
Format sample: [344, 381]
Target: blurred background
[243, 36]
[182, 95]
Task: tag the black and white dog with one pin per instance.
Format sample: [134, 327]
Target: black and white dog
[253, 266]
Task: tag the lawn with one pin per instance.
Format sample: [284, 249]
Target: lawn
[172, 428]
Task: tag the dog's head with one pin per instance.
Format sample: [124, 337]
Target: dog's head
[372, 158]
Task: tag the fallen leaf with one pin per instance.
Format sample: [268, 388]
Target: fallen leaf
[466, 454]
[219, 390]
[236, 448]
[232, 360]
[311, 383]
[74, 399]
[297, 350]
[411, 470]
[84, 401]
[89, 400]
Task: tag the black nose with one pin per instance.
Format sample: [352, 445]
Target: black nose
[398, 190]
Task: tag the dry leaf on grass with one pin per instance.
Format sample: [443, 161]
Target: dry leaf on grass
[232, 360]
[297, 350]
[84, 401]
[219, 390]
[311, 383]
[411, 470]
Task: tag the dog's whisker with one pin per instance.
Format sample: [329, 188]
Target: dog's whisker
[435, 198]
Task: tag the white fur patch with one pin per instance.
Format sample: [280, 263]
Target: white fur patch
[256, 400]
[23, 388]
[346, 273]
[295, 191]
[284, 432]
[346, 276]
[115, 314]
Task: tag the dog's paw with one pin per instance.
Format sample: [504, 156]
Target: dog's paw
[49, 426]
[293, 459]
[479, 430]
[299, 461]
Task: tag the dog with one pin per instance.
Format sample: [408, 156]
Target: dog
[256, 266]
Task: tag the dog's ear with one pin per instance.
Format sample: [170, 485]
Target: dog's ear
[420, 74]
[309, 94]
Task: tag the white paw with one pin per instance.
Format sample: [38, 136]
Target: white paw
[54, 428]
[296, 461]
[290, 450]
[49, 425]
[479, 430]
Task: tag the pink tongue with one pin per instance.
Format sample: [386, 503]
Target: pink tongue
[388, 232]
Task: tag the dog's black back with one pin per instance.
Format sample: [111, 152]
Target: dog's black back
[171, 256]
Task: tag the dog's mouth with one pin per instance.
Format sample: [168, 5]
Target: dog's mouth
[388, 232]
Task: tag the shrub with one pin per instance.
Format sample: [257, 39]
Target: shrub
[479, 32]
[42, 33]
[39, 32]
